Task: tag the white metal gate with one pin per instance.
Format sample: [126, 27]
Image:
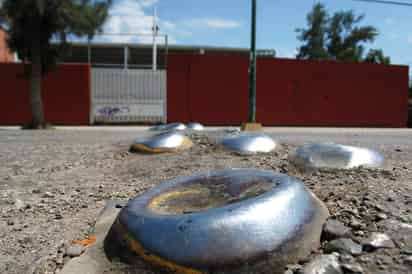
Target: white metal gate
[128, 96]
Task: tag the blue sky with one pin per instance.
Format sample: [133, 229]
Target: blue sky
[226, 23]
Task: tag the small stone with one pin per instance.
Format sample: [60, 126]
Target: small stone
[74, 250]
[59, 260]
[406, 251]
[364, 259]
[10, 222]
[381, 216]
[325, 264]
[343, 245]
[48, 195]
[359, 233]
[294, 267]
[352, 268]
[345, 258]
[376, 241]
[356, 224]
[36, 191]
[372, 227]
[408, 260]
[19, 204]
[334, 229]
[379, 207]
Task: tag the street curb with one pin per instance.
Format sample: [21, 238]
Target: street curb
[94, 260]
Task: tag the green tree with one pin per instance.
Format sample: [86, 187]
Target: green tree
[376, 56]
[32, 24]
[345, 38]
[337, 37]
[314, 36]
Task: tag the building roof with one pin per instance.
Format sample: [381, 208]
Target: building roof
[171, 47]
[140, 55]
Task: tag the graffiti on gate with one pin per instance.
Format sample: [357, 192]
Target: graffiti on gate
[113, 110]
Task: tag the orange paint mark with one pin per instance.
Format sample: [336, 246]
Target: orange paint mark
[86, 242]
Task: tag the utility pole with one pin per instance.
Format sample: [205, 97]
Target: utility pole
[155, 31]
[252, 68]
[251, 125]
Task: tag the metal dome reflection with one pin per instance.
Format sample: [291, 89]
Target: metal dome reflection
[164, 142]
[262, 214]
[247, 143]
[195, 126]
[335, 156]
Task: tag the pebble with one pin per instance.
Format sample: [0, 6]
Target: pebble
[294, 267]
[356, 224]
[325, 264]
[408, 260]
[381, 216]
[334, 229]
[345, 258]
[352, 268]
[376, 241]
[343, 245]
[406, 251]
[48, 195]
[36, 191]
[19, 204]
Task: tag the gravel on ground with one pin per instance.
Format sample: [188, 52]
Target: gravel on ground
[54, 183]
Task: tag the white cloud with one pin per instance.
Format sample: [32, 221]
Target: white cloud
[133, 17]
[215, 23]
[136, 17]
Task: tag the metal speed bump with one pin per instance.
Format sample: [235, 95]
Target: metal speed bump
[329, 155]
[171, 141]
[248, 143]
[220, 222]
[169, 127]
[195, 126]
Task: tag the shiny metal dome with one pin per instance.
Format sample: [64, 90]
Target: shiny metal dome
[168, 127]
[247, 143]
[162, 142]
[195, 126]
[225, 218]
[329, 155]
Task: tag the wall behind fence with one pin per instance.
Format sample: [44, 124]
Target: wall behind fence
[214, 90]
[66, 95]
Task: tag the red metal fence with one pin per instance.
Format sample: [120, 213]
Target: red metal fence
[66, 95]
[214, 90]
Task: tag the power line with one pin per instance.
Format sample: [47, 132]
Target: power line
[387, 2]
